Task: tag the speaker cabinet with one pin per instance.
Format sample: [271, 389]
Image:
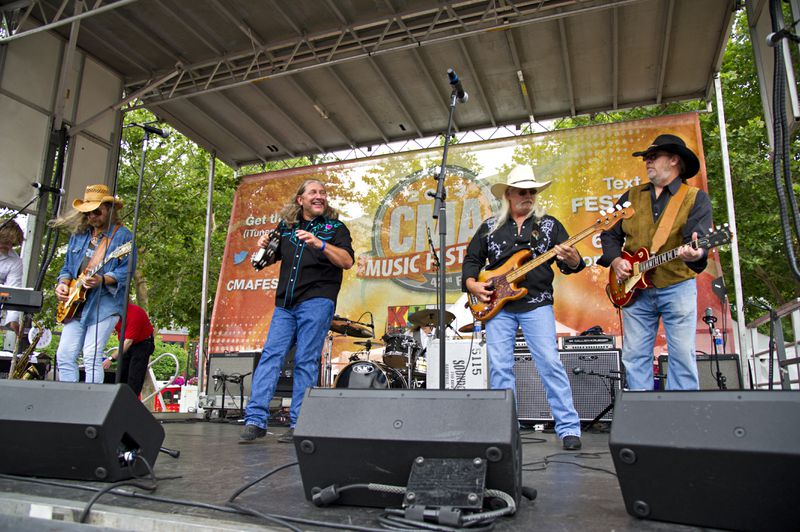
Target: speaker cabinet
[591, 391]
[717, 459]
[75, 431]
[707, 371]
[353, 436]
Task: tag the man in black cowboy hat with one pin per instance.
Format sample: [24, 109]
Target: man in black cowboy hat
[685, 213]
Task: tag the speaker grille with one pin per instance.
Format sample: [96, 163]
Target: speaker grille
[591, 394]
[707, 371]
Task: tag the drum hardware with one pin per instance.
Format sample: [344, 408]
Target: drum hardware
[351, 328]
[364, 374]
[368, 344]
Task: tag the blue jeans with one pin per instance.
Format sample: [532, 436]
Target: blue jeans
[305, 325]
[539, 328]
[676, 306]
[89, 339]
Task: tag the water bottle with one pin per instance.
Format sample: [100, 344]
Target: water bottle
[477, 332]
[717, 341]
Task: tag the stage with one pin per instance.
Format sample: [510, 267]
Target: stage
[576, 490]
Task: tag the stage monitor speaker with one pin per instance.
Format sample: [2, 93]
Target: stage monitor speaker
[718, 459]
[76, 431]
[591, 393]
[707, 371]
[354, 436]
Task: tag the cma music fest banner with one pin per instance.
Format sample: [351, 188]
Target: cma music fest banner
[385, 203]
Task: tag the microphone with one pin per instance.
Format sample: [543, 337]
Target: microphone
[45, 188]
[433, 250]
[577, 370]
[154, 130]
[461, 94]
[709, 317]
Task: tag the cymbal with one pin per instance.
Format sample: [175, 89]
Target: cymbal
[429, 317]
[468, 328]
[373, 343]
[351, 328]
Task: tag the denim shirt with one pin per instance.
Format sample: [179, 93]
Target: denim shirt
[109, 298]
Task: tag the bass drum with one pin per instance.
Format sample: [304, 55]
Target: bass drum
[364, 374]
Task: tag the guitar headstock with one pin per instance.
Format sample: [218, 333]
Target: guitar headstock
[717, 236]
[123, 250]
[609, 218]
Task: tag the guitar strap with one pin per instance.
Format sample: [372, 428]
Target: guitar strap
[100, 251]
[667, 220]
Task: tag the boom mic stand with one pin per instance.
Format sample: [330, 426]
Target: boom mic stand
[612, 390]
[440, 214]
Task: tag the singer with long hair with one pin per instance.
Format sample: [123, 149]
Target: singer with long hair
[315, 248]
[95, 231]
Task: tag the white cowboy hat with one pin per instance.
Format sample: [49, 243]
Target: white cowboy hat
[520, 176]
[93, 197]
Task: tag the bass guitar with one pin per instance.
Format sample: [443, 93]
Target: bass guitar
[77, 291]
[503, 279]
[622, 293]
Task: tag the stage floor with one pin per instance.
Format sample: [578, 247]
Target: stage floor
[576, 490]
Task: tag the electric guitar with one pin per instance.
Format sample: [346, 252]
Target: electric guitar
[505, 277]
[77, 291]
[622, 293]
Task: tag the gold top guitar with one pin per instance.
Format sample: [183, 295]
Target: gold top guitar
[77, 291]
[621, 293]
[504, 278]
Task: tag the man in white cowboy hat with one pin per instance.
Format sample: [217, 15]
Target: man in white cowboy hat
[673, 297]
[522, 224]
[95, 231]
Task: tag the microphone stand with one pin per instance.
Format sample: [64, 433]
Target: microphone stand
[440, 214]
[711, 320]
[612, 390]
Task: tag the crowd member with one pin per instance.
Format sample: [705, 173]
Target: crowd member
[136, 349]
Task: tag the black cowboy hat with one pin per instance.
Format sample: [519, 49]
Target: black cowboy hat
[676, 145]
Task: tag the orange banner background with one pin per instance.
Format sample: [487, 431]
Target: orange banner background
[384, 202]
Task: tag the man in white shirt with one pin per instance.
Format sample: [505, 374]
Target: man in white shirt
[11, 236]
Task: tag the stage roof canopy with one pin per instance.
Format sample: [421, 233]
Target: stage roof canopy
[266, 80]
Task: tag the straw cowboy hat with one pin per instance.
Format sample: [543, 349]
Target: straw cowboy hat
[93, 197]
[674, 144]
[520, 176]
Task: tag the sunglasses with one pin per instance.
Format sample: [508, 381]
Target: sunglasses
[653, 156]
[524, 191]
[97, 212]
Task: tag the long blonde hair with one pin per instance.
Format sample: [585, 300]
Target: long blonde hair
[75, 222]
[290, 212]
[505, 213]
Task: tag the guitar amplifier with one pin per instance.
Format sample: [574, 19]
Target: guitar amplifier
[587, 372]
[707, 371]
[589, 342]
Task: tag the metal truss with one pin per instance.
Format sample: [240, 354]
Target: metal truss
[16, 14]
[404, 29]
[390, 148]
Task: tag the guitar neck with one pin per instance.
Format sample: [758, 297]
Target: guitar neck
[522, 271]
[662, 258]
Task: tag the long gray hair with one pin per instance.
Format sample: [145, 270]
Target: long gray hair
[505, 213]
[290, 213]
[76, 222]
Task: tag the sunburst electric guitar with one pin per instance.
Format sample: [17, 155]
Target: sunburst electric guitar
[504, 278]
[622, 293]
[77, 291]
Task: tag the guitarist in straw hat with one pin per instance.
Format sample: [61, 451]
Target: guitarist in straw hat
[96, 231]
[673, 295]
[522, 224]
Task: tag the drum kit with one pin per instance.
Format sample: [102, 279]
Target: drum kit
[403, 362]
